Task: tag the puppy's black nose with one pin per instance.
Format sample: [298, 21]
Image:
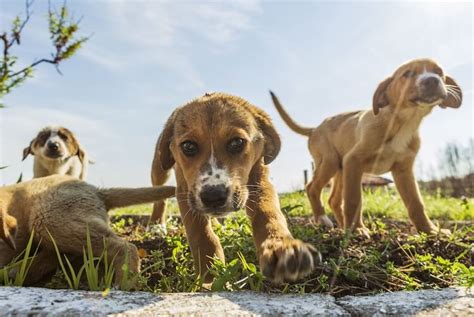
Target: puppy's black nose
[53, 146]
[214, 196]
[431, 83]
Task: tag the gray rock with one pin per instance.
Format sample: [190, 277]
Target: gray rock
[444, 302]
[38, 301]
[241, 304]
[41, 301]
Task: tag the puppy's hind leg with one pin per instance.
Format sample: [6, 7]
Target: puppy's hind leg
[158, 215]
[323, 173]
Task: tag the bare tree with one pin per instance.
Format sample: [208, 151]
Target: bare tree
[457, 165]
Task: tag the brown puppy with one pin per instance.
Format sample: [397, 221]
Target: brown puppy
[378, 141]
[66, 208]
[220, 146]
[57, 151]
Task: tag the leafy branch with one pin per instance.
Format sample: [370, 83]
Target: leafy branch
[62, 29]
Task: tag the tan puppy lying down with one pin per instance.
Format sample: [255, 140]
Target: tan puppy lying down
[377, 141]
[66, 207]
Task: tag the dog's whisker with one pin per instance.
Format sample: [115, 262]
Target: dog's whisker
[184, 200]
[452, 91]
[255, 186]
[253, 213]
[453, 87]
[456, 95]
[187, 212]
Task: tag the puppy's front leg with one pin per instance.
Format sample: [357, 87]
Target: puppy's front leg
[203, 242]
[408, 189]
[352, 191]
[159, 176]
[281, 257]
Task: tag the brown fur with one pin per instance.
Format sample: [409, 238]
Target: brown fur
[212, 122]
[378, 141]
[66, 208]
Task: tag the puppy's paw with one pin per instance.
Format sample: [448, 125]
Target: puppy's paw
[287, 259]
[362, 231]
[441, 232]
[432, 229]
[325, 221]
[159, 229]
[445, 232]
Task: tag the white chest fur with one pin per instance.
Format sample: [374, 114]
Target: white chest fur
[396, 148]
[412, 119]
[72, 166]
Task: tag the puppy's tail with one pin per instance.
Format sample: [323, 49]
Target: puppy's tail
[8, 228]
[123, 197]
[288, 120]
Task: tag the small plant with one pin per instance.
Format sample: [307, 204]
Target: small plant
[99, 271]
[236, 275]
[14, 274]
[72, 278]
[92, 267]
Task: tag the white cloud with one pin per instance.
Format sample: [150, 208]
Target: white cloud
[100, 56]
[165, 34]
[169, 23]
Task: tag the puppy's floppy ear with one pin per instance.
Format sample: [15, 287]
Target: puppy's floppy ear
[380, 98]
[454, 98]
[84, 159]
[163, 151]
[8, 226]
[82, 155]
[27, 150]
[271, 138]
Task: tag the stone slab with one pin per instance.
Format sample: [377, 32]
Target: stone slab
[443, 302]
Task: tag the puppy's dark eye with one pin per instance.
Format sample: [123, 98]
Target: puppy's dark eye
[189, 148]
[409, 73]
[236, 145]
[63, 136]
[43, 137]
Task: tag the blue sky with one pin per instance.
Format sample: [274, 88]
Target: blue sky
[147, 57]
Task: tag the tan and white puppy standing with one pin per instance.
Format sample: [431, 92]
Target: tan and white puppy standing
[57, 151]
[384, 139]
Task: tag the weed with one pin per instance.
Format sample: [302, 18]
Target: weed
[15, 273]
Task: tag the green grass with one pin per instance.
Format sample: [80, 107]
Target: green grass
[394, 258]
[387, 204]
[171, 207]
